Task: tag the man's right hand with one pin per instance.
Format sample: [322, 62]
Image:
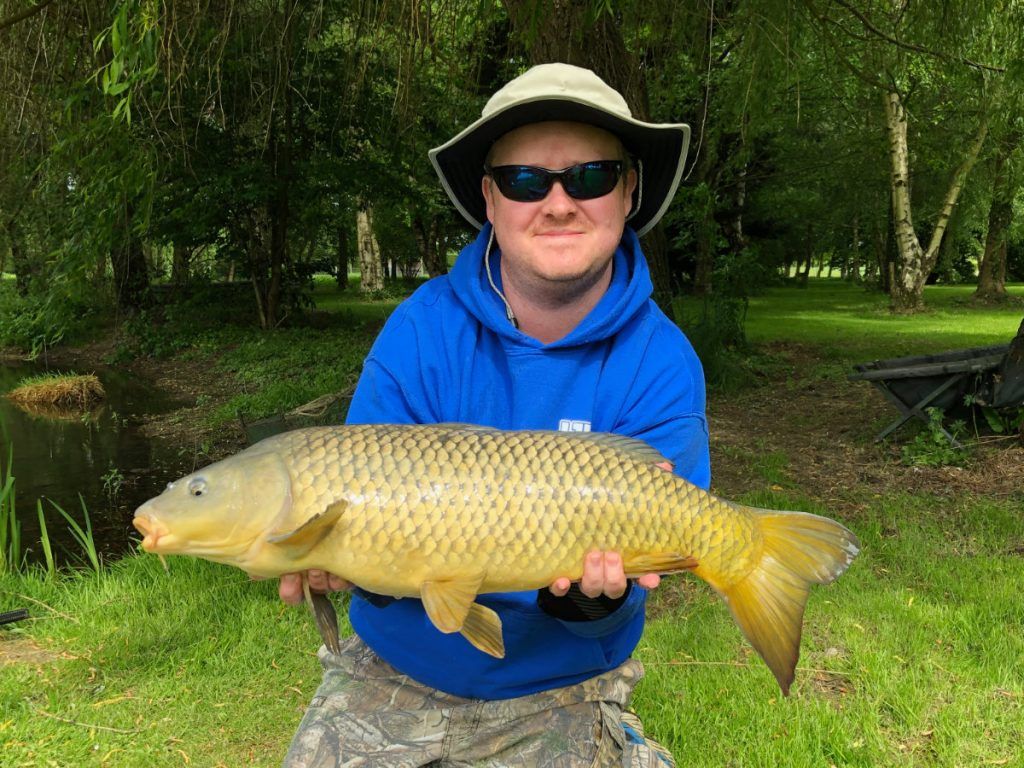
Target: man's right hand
[290, 587]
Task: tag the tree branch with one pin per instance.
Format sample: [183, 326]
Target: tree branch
[863, 19]
[10, 21]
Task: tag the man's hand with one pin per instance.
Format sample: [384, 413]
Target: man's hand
[603, 574]
[290, 588]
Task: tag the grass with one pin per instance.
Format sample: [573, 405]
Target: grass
[847, 322]
[138, 667]
[275, 373]
[58, 390]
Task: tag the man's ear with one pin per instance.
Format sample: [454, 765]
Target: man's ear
[487, 188]
[629, 186]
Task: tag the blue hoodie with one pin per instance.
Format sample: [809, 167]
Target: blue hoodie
[450, 354]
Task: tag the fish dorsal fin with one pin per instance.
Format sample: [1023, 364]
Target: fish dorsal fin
[456, 426]
[482, 628]
[447, 601]
[635, 449]
[301, 540]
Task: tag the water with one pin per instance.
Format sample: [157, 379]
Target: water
[102, 456]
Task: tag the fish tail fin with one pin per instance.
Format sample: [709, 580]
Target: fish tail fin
[799, 550]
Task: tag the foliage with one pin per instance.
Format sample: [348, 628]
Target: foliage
[715, 328]
[931, 447]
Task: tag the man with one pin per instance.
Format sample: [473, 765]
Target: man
[545, 322]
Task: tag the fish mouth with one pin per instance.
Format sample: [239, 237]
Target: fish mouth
[151, 531]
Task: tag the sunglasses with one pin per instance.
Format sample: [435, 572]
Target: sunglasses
[528, 183]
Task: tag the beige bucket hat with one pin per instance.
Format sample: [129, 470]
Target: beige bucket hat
[564, 92]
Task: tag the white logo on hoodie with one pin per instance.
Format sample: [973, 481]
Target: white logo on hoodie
[573, 425]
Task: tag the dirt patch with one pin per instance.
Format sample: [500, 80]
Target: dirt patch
[23, 650]
[824, 427]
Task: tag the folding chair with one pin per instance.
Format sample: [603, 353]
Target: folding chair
[913, 384]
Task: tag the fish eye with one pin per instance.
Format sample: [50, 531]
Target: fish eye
[197, 487]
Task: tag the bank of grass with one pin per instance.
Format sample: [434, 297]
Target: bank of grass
[851, 323]
[912, 658]
[59, 390]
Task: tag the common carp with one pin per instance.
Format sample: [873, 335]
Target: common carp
[446, 512]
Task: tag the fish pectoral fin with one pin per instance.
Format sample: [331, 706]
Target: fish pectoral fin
[448, 602]
[302, 539]
[482, 628]
[657, 562]
[324, 615]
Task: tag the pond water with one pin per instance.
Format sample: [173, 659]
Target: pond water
[101, 455]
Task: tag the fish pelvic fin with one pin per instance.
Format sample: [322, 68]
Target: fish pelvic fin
[482, 628]
[324, 615]
[300, 541]
[799, 550]
[452, 607]
[447, 602]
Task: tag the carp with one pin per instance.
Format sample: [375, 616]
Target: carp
[446, 512]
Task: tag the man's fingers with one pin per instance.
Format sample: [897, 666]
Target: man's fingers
[614, 575]
[290, 588]
[649, 580]
[592, 583]
[336, 583]
[560, 587]
[317, 580]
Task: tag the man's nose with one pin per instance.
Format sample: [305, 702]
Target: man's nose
[558, 202]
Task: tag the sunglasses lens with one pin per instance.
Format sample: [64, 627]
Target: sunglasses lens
[523, 183]
[590, 180]
[527, 183]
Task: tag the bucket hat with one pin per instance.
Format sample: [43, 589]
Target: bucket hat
[564, 92]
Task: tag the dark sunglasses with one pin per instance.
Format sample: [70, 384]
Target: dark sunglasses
[528, 183]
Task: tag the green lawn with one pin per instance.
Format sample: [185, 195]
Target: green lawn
[913, 658]
[851, 323]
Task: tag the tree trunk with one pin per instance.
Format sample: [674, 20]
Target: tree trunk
[128, 259]
[180, 264]
[992, 268]
[853, 262]
[370, 266]
[566, 31]
[342, 257]
[427, 240]
[914, 262]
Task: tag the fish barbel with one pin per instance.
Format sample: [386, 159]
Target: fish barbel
[447, 512]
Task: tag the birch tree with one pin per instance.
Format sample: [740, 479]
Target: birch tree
[935, 69]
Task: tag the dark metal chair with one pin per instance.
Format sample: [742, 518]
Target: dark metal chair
[990, 375]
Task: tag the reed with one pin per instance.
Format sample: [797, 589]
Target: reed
[11, 557]
[83, 536]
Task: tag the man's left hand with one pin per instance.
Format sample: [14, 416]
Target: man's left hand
[603, 574]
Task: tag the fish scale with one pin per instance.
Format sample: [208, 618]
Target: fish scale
[447, 512]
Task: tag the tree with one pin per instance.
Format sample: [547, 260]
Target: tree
[923, 62]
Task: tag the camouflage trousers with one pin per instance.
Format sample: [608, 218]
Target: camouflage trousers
[365, 713]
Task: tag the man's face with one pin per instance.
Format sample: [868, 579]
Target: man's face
[557, 243]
